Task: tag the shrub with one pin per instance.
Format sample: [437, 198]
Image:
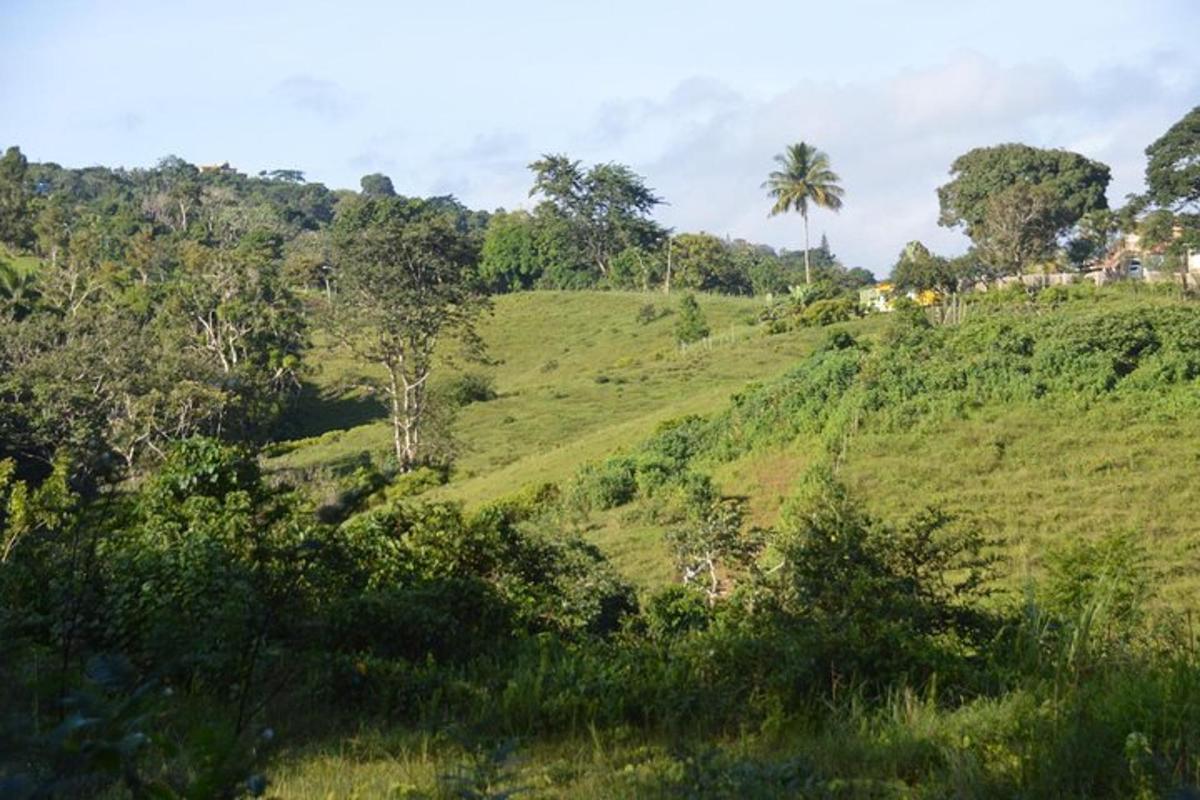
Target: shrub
[1104, 584]
[470, 387]
[826, 312]
[674, 611]
[607, 485]
[648, 313]
[691, 325]
[884, 600]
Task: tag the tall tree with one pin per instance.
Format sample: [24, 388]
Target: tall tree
[1020, 227]
[805, 177]
[405, 283]
[511, 258]
[15, 227]
[1071, 184]
[608, 206]
[702, 261]
[1173, 169]
[377, 185]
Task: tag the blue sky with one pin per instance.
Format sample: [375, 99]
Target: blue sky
[696, 96]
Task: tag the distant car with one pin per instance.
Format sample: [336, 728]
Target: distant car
[1135, 268]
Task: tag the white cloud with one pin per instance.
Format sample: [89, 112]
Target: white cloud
[706, 147]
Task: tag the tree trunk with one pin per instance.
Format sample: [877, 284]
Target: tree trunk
[397, 418]
[667, 285]
[807, 268]
[413, 403]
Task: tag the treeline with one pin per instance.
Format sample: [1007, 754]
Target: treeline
[141, 307]
[592, 229]
[144, 306]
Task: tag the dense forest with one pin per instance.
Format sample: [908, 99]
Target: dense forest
[183, 617]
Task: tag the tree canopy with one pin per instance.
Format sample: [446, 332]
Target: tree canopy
[406, 278]
[1070, 184]
[607, 207]
[1173, 169]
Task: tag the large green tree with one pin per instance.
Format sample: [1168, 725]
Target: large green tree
[406, 281]
[804, 178]
[607, 207]
[513, 257]
[1173, 169]
[377, 185]
[704, 262]
[1042, 192]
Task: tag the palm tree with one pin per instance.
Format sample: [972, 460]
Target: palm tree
[18, 292]
[805, 177]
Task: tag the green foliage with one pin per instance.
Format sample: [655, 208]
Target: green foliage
[917, 269]
[116, 731]
[690, 325]
[211, 567]
[515, 251]
[377, 185]
[885, 600]
[603, 210]
[1173, 163]
[1106, 582]
[451, 586]
[1071, 184]
[470, 387]
[607, 485]
[405, 268]
[675, 611]
[15, 227]
[820, 313]
[703, 262]
[712, 543]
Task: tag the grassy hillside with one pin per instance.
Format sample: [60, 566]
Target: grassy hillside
[578, 375]
[1041, 425]
[580, 378]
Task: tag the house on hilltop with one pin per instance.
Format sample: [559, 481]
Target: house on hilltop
[882, 297]
[1133, 259]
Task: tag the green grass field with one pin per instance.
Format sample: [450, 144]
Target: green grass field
[579, 378]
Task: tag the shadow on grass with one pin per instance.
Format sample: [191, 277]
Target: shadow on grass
[316, 412]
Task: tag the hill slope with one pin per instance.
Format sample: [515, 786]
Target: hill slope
[577, 374]
[1096, 446]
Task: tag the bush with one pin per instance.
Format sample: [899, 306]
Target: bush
[609, 484]
[884, 601]
[470, 387]
[649, 312]
[691, 325]
[675, 611]
[827, 312]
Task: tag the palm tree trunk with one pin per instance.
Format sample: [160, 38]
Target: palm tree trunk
[807, 269]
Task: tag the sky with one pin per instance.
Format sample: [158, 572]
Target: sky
[696, 96]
